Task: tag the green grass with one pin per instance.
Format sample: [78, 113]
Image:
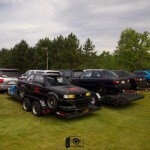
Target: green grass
[111, 128]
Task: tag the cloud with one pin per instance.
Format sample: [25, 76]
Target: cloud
[101, 21]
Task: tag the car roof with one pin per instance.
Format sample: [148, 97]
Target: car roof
[48, 70]
[95, 69]
[46, 74]
[142, 70]
[8, 69]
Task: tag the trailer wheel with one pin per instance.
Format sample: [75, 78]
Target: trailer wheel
[52, 102]
[36, 108]
[94, 99]
[101, 90]
[26, 104]
[22, 92]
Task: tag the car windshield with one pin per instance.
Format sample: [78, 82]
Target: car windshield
[27, 73]
[57, 81]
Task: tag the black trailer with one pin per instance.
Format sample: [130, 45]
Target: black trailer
[122, 98]
[39, 107]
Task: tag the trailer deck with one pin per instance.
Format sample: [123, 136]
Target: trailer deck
[122, 98]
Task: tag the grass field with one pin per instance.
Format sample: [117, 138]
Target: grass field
[111, 128]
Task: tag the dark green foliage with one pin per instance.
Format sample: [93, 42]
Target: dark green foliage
[90, 59]
[4, 58]
[107, 61]
[40, 54]
[66, 52]
[132, 52]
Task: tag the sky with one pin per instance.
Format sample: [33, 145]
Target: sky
[100, 20]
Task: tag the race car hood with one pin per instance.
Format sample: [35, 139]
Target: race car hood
[70, 89]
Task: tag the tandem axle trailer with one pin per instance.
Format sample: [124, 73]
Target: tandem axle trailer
[39, 107]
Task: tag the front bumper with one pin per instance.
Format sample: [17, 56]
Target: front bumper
[77, 112]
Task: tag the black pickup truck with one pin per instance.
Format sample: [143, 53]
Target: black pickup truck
[108, 84]
[44, 93]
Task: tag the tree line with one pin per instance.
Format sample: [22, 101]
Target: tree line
[131, 53]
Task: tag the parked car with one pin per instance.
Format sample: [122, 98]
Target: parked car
[101, 81]
[71, 73]
[29, 72]
[145, 73]
[137, 82]
[56, 92]
[8, 77]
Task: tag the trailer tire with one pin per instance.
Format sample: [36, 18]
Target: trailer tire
[22, 92]
[27, 106]
[36, 109]
[52, 102]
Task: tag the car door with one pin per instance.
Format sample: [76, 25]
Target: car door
[39, 88]
[29, 84]
[96, 80]
[84, 80]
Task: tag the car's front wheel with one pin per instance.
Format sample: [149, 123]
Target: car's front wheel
[52, 102]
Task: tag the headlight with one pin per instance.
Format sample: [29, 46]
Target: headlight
[88, 94]
[69, 96]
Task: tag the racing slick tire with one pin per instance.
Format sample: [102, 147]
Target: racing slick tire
[22, 92]
[27, 106]
[36, 108]
[52, 102]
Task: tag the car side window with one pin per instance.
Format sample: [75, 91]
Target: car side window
[104, 74]
[39, 72]
[32, 72]
[96, 74]
[38, 79]
[86, 75]
[30, 78]
[143, 73]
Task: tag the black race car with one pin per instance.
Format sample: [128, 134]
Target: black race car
[101, 81]
[137, 82]
[53, 93]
